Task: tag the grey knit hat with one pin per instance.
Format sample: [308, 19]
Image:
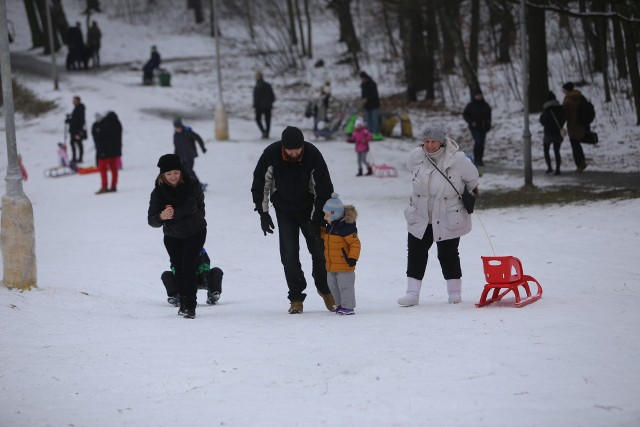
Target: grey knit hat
[436, 133]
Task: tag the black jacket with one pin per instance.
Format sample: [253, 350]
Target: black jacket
[77, 122]
[184, 144]
[107, 136]
[263, 96]
[298, 188]
[552, 128]
[477, 114]
[369, 90]
[187, 200]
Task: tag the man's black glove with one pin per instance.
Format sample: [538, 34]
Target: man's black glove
[313, 228]
[266, 223]
[350, 261]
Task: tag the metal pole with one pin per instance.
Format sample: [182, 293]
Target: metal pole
[17, 239]
[526, 134]
[221, 123]
[54, 68]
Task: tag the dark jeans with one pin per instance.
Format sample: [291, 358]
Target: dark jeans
[183, 254]
[418, 254]
[578, 154]
[76, 144]
[289, 228]
[187, 165]
[267, 120]
[478, 146]
[548, 140]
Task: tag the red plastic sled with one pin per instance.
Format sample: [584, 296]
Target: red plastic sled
[504, 275]
[385, 171]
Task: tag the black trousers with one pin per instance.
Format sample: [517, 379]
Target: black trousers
[556, 141]
[267, 120]
[183, 254]
[289, 228]
[578, 154]
[76, 144]
[418, 254]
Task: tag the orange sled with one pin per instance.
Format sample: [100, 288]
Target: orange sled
[504, 275]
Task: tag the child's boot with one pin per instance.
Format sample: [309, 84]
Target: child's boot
[454, 288]
[359, 172]
[369, 171]
[412, 296]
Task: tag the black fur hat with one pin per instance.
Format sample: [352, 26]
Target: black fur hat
[169, 162]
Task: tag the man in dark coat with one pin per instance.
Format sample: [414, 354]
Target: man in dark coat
[293, 176]
[107, 135]
[152, 64]
[263, 99]
[369, 95]
[77, 131]
[477, 114]
[184, 143]
[94, 40]
[575, 129]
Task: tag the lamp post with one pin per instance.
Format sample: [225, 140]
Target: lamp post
[54, 68]
[17, 236]
[221, 123]
[526, 134]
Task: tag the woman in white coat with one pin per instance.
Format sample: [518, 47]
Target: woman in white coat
[435, 212]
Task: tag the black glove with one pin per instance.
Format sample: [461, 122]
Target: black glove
[313, 228]
[350, 261]
[266, 223]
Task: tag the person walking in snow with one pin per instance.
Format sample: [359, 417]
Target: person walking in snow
[575, 129]
[263, 99]
[477, 114]
[107, 136]
[153, 63]
[552, 119]
[184, 143]
[207, 277]
[293, 176]
[77, 130]
[435, 212]
[361, 138]
[177, 205]
[94, 40]
[341, 252]
[371, 103]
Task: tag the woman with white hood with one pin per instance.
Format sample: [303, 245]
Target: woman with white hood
[440, 173]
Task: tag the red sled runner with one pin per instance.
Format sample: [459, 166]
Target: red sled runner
[504, 275]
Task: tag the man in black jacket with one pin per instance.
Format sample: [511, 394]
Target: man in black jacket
[293, 174]
[477, 114]
[371, 104]
[263, 99]
[184, 143]
[77, 131]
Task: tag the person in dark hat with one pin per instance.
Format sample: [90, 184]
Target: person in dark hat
[575, 129]
[477, 114]
[371, 104]
[552, 119]
[177, 205]
[298, 171]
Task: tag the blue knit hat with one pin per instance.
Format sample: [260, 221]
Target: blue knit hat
[334, 208]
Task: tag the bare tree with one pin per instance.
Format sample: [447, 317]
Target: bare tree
[538, 71]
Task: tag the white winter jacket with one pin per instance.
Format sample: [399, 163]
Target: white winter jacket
[449, 218]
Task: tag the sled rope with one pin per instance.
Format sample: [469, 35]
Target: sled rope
[486, 233]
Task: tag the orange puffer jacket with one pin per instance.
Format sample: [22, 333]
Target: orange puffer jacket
[338, 236]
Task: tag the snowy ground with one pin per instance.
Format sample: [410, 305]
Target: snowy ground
[97, 345]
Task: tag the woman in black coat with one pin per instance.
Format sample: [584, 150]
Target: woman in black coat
[552, 119]
[177, 205]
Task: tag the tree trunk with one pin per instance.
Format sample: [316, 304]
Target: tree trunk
[307, 16]
[621, 60]
[474, 34]
[507, 33]
[37, 38]
[387, 28]
[601, 33]
[449, 42]
[538, 71]
[591, 40]
[293, 37]
[413, 51]
[42, 13]
[630, 41]
[300, 28]
[447, 13]
[433, 44]
[347, 31]
[247, 8]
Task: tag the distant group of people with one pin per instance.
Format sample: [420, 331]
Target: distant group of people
[80, 53]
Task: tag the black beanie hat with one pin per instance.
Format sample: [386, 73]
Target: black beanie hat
[551, 96]
[292, 138]
[568, 86]
[177, 122]
[169, 162]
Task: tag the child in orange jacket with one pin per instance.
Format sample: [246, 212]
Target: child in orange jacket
[341, 252]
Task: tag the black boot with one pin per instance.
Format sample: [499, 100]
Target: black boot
[359, 172]
[369, 171]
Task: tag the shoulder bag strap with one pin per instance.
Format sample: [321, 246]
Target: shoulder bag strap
[445, 176]
[555, 120]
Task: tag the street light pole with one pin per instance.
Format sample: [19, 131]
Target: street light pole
[526, 134]
[17, 237]
[221, 123]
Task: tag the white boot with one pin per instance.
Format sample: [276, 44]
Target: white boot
[454, 287]
[413, 293]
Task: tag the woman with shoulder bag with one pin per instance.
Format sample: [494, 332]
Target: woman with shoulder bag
[552, 119]
[436, 213]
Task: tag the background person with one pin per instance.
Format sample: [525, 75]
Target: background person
[263, 99]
